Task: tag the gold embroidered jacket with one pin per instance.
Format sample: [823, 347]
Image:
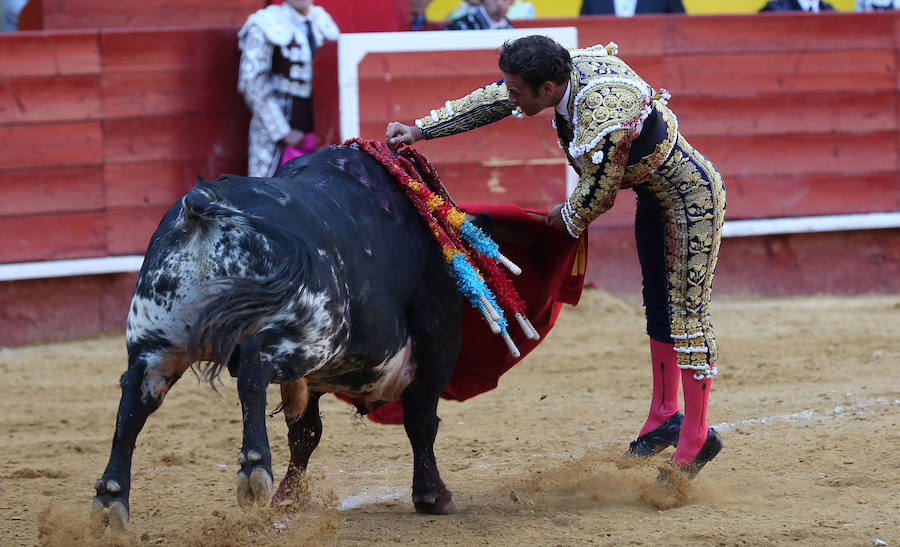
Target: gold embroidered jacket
[608, 105]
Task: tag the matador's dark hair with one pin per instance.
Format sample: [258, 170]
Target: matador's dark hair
[537, 59]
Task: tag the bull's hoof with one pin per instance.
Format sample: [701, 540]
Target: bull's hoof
[109, 508]
[106, 514]
[293, 489]
[254, 489]
[434, 503]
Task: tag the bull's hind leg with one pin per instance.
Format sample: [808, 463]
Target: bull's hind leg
[144, 385]
[255, 476]
[304, 433]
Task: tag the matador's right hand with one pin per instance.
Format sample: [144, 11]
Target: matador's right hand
[398, 133]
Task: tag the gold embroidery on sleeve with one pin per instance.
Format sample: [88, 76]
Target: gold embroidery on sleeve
[481, 107]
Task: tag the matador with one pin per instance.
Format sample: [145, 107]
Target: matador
[618, 132]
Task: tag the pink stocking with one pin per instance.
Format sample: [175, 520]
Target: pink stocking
[694, 429]
[664, 401]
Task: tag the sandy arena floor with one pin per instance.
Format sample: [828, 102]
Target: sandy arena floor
[807, 401]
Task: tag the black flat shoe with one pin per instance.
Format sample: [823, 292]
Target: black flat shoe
[710, 449]
[655, 441]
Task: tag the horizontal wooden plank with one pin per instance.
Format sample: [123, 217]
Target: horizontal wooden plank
[49, 54]
[131, 13]
[170, 49]
[812, 195]
[51, 190]
[174, 138]
[164, 93]
[29, 100]
[153, 184]
[47, 310]
[781, 32]
[48, 145]
[481, 64]
[752, 74]
[786, 113]
[130, 229]
[46, 237]
[636, 36]
[852, 262]
[801, 154]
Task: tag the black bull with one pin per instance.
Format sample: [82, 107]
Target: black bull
[323, 279]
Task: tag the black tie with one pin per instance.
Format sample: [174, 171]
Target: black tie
[311, 38]
[563, 129]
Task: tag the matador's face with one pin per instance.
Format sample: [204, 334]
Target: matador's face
[522, 95]
[301, 6]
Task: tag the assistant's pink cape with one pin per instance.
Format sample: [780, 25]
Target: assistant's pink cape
[553, 266]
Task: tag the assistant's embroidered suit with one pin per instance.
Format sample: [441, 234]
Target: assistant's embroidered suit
[275, 77]
[622, 135]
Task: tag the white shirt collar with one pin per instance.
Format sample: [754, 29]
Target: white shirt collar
[296, 15]
[809, 5]
[494, 24]
[562, 107]
[625, 8]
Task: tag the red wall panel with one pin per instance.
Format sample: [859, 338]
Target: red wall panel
[55, 144]
[810, 195]
[29, 100]
[73, 14]
[151, 184]
[161, 94]
[171, 138]
[778, 32]
[636, 37]
[45, 237]
[170, 49]
[51, 190]
[803, 71]
[861, 111]
[789, 155]
[129, 229]
[63, 308]
[104, 130]
[49, 54]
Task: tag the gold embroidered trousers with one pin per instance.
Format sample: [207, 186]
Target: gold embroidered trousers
[678, 227]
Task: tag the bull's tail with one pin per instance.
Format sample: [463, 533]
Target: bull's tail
[204, 202]
[239, 309]
[240, 305]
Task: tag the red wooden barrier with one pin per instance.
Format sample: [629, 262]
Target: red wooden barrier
[103, 129]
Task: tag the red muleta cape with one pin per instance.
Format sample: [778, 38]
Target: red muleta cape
[553, 266]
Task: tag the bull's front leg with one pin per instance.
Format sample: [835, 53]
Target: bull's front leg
[429, 494]
[254, 484]
[143, 390]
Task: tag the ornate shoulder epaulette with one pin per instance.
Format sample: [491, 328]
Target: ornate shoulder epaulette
[609, 95]
[481, 107]
[603, 106]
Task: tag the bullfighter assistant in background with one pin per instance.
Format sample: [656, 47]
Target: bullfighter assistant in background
[277, 46]
[617, 132]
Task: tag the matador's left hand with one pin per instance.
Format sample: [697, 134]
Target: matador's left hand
[555, 220]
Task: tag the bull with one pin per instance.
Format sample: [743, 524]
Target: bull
[322, 279]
